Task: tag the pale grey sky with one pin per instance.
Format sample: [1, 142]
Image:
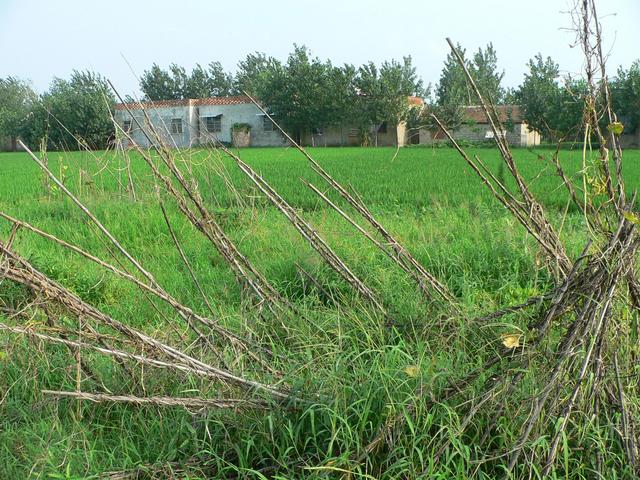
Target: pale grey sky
[40, 39]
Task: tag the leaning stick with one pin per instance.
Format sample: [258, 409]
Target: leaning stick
[308, 232]
[162, 401]
[184, 258]
[239, 264]
[360, 207]
[394, 254]
[184, 311]
[88, 213]
[25, 274]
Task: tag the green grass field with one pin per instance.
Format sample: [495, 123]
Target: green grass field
[428, 198]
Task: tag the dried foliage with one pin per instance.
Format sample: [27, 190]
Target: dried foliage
[566, 371]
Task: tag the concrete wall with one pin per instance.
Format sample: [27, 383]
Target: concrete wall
[239, 113]
[161, 120]
[630, 139]
[519, 136]
[193, 127]
[348, 136]
[7, 144]
[330, 137]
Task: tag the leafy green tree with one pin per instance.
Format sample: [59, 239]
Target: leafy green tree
[369, 101]
[539, 94]
[73, 111]
[297, 92]
[484, 70]
[179, 83]
[625, 93]
[16, 102]
[452, 91]
[158, 84]
[552, 108]
[212, 81]
[342, 108]
[253, 71]
[452, 87]
[382, 93]
[566, 113]
[198, 85]
[399, 81]
[220, 83]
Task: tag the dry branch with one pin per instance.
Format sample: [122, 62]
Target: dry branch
[187, 198]
[390, 246]
[185, 402]
[20, 271]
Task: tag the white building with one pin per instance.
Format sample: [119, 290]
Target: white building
[475, 128]
[192, 122]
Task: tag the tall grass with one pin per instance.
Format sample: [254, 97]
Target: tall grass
[428, 198]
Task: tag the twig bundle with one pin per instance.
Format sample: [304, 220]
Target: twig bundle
[572, 352]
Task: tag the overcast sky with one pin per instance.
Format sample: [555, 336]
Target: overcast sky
[40, 39]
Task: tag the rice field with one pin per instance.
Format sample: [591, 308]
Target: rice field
[429, 198]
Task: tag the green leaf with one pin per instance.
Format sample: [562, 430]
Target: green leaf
[632, 217]
[616, 128]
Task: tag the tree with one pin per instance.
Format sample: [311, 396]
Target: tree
[552, 109]
[484, 69]
[297, 93]
[369, 101]
[179, 83]
[253, 71]
[220, 82]
[16, 102]
[157, 84]
[382, 93]
[210, 82]
[213, 81]
[198, 85]
[399, 81]
[452, 91]
[72, 110]
[539, 93]
[342, 109]
[625, 93]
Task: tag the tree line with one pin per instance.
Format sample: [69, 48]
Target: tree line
[305, 93]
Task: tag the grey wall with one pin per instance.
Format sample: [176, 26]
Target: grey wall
[239, 113]
[520, 136]
[161, 121]
[193, 126]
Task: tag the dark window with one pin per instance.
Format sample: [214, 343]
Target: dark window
[213, 124]
[126, 126]
[176, 125]
[267, 124]
[382, 128]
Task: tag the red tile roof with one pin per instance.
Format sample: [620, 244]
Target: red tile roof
[237, 100]
[195, 102]
[505, 113]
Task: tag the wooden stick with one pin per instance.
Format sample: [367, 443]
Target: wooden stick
[162, 401]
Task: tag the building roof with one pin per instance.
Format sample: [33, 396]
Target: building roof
[196, 102]
[187, 102]
[505, 113]
[238, 99]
